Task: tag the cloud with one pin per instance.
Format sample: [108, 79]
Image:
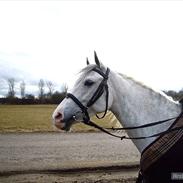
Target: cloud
[7, 71]
[12, 66]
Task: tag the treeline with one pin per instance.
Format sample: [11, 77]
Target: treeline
[55, 98]
[43, 97]
[175, 95]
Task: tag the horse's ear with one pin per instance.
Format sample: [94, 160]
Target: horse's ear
[96, 59]
[87, 61]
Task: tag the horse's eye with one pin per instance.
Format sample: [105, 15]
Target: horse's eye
[88, 82]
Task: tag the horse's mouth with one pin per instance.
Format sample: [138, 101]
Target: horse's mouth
[62, 125]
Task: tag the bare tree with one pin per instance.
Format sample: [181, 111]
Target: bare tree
[22, 89]
[11, 87]
[41, 86]
[50, 86]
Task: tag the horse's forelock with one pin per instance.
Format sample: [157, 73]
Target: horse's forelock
[88, 69]
[83, 72]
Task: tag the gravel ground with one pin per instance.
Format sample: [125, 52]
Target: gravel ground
[23, 153]
[84, 177]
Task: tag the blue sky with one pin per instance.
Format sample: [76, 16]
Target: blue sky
[51, 40]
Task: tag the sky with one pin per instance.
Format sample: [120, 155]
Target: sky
[50, 40]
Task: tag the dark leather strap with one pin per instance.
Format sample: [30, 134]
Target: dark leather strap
[107, 99]
[83, 108]
[97, 94]
[143, 126]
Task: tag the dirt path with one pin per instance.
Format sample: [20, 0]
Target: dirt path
[47, 157]
[83, 177]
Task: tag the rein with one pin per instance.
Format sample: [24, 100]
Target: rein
[97, 94]
[91, 123]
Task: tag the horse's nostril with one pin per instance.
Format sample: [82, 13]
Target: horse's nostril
[58, 116]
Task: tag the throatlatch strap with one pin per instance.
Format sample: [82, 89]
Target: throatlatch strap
[106, 108]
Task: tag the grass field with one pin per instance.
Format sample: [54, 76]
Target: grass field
[37, 118]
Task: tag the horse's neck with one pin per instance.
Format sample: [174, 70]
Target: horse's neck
[135, 104]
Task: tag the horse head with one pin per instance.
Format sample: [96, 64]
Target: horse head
[90, 95]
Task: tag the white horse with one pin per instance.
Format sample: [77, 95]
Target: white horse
[132, 102]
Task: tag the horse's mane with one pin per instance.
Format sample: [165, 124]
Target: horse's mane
[135, 81]
[158, 92]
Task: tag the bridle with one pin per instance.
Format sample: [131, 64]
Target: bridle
[97, 94]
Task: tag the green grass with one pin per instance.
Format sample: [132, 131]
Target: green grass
[32, 118]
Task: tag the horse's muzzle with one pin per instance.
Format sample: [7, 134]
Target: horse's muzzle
[61, 123]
